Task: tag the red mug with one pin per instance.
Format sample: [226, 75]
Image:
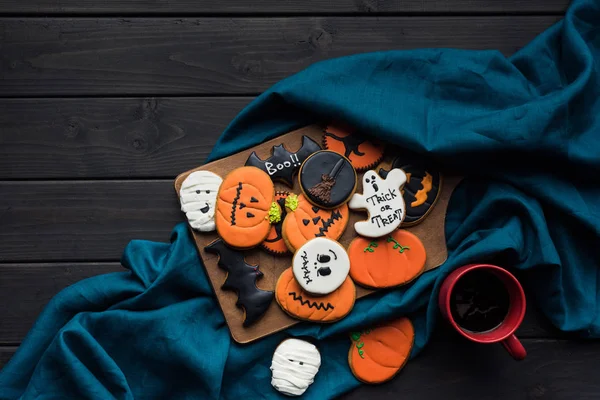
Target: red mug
[504, 332]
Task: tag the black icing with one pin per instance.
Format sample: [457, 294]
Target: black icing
[241, 278]
[417, 171]
[279, 225]
[323, 162]
[282, 165]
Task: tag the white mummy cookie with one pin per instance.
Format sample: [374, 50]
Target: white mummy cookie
[382, 198]
[320, 266]
[294, 366]
[198, 196]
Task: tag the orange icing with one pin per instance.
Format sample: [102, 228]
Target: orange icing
[363, 156]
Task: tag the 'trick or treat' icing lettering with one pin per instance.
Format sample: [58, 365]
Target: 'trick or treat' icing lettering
[383, 201]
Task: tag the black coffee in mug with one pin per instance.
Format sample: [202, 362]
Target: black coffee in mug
[480, 301]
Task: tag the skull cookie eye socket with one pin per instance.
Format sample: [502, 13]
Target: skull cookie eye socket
[367, 180]
[323, 258]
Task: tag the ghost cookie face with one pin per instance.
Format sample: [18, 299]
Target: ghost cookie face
[382, 198]
[246, 207]
[321, 266]
[327, 179]
[198, 197]
[294, 366]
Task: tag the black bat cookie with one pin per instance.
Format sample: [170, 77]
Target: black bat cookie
[282, 165]
[421, 190]
[241, 278]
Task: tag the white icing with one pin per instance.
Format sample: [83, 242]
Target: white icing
[383, 201]
[294, 366]
[198, 196]
[321, 265]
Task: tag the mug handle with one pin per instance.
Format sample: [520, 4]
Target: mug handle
[514, 347]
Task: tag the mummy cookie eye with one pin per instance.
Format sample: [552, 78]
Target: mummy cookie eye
[197, 191]
[208, 192]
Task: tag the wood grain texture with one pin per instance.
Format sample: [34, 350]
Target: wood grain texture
[25, 289]
[110, 137]
[277, 6]
[451, 368]
[151, 56]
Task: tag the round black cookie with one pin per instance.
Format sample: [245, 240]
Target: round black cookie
[421, 191]
[327, 179]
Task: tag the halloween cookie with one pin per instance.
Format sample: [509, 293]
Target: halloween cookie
[274, 242]
[241, 278]
[305, 221]
[383, 201]
[245, 207]
[283, 165]
[362, 153]
[421, 191]
[198, 197]
[377, 355]
[327, 179]
[301, 305]
[321, 266]
[294, 366]
[388, 261]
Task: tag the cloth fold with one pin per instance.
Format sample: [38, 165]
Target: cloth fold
[526, 131]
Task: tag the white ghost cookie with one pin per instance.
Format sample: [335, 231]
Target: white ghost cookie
[198, 196]
[382, 198]
[320, 266]
[294, 366]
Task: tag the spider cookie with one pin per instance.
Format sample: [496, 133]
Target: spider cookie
[421, 191]
[283, 165]
[388, 261]
[198, 197]
[294, 366]
[246, 207]
[305, 221]
[383, 201]
[302, 305]
[327, 179]
[274, 242]
[362, 153]
[377, 355]
[321, 266]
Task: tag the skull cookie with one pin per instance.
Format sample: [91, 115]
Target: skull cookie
[320, 266]
[382, 198]
[294, 366]
[198, 196]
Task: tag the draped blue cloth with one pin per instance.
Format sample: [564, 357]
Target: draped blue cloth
[525, 129]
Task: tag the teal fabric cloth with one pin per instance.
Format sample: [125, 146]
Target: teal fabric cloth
[526, 130]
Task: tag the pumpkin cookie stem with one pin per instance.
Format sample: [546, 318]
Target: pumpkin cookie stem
[371, 248]
[397, 245]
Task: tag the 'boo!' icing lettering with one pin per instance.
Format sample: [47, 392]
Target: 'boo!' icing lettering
[382, 198]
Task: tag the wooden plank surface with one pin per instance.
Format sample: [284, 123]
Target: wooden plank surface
[105, 56]
[137, 7]
[110, 137]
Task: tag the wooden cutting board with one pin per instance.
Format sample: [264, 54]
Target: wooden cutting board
[430, 231]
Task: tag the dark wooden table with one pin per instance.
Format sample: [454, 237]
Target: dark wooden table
[103, 103]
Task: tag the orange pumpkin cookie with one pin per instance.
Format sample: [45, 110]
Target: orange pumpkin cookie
[304, 306]
[377, 355]
[388, 261]
[274, 242]
[362, 153]
[245, 207]
[305, 221]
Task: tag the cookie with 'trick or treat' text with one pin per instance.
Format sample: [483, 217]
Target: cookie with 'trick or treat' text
[388, 261]
[382, 198]
[377, 355]
[274, 243]
[364, 154]
[246, 207]
[327, 179]
[294, 366]
[241, 278]
[302, 305]
[422, 189]
[321, 266]
[198, 197]
[305, 221]
[283, 165]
